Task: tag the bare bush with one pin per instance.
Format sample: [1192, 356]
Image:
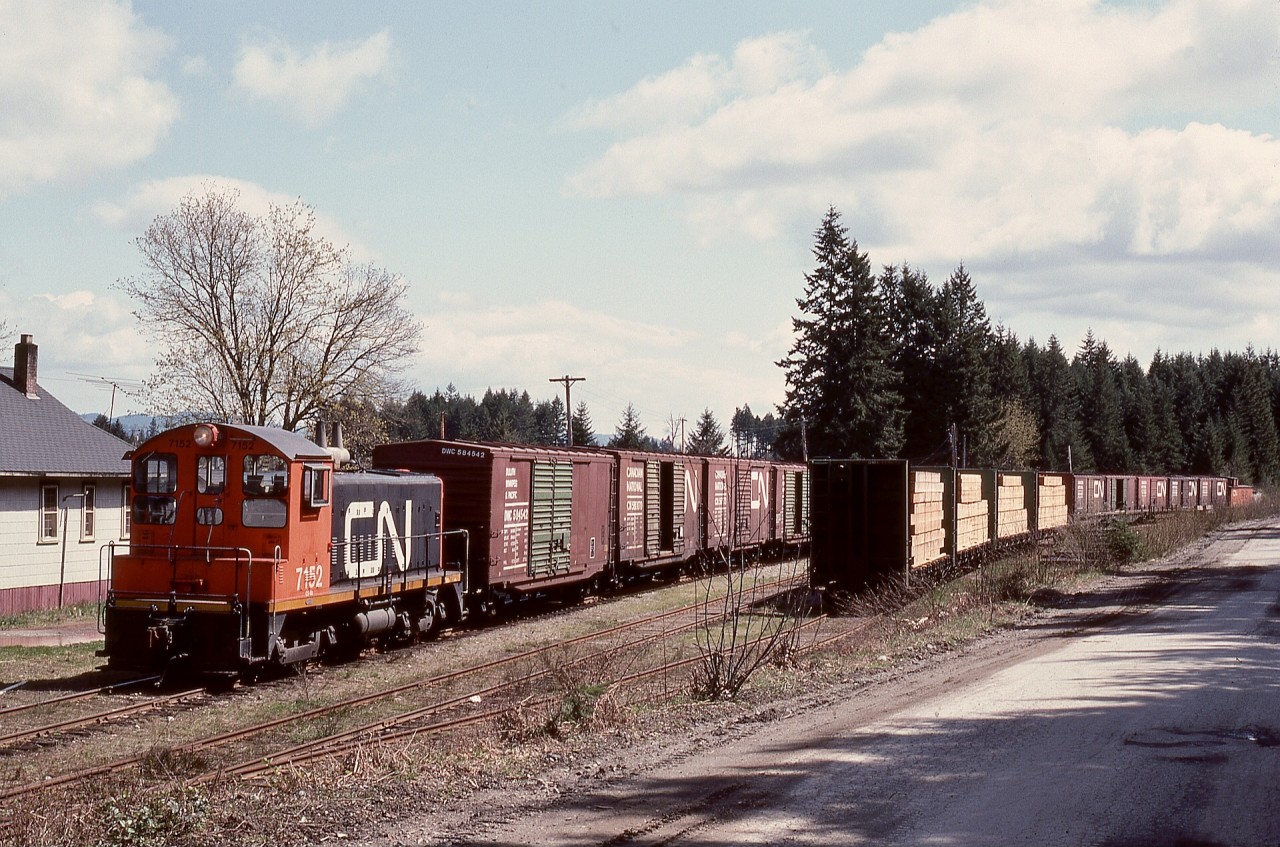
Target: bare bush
[741, 628]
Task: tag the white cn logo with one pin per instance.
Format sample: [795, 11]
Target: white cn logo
[359, 543]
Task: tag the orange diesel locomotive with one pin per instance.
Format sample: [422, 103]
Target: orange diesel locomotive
[248, 550]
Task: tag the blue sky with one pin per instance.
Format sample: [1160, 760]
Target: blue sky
[628, 192]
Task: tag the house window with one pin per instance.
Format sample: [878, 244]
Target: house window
[87, 514]
[48, 514]
[126, 515]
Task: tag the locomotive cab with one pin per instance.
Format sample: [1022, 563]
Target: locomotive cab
[238, 558]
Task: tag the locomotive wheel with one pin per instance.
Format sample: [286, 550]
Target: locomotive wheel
[429, 624]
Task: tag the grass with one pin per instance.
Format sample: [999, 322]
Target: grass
[42, 618]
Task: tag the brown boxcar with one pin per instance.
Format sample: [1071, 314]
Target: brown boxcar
[789, 484]
[1092, 494]
[660, 498]
[537, 517]
[1153, 493]
[1213, 493]
[1184, 492]
[739, 499]
[1123, 493]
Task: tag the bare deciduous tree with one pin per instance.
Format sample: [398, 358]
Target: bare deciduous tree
[260, 319]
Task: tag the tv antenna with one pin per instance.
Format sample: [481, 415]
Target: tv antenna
[131, 387]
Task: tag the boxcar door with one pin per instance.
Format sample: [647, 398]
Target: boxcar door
[652, 508]
[551, 519]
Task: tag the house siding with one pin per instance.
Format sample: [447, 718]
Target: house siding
[29, 570]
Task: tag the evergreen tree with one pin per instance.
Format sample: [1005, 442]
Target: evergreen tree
[549, 422]
[911, 307]
[111, 425]
[1098, 396]
[1165, 451]
[1256, 456]
[839, 382]
[1062, 443]
[1138, 413]
[707, 438]
[630, 435]
[584, 434]
[962, 382]
[1008, 366]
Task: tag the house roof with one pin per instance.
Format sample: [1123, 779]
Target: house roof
[41, 437]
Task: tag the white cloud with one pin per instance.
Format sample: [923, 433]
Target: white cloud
[704, 83]
[1002, 129]
[661, 370]
[1105, 165]
[313, 86]
[82, 335]
[76, 96]
[135, 212]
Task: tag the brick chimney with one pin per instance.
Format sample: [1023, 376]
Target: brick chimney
[25, 357]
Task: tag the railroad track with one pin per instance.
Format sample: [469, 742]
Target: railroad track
[196, 695]
[644, 633]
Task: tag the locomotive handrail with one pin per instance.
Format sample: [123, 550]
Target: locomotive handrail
[107, 552]
[172, 551]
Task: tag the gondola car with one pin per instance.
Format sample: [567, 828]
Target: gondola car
[247, 550]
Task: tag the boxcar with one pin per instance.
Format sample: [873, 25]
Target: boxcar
[537, 518]
[660, 516]
[1092, 495]
[1153, 493]
[1184, 492]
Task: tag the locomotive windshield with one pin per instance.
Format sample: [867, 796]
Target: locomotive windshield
[156, 473]
[155, 478]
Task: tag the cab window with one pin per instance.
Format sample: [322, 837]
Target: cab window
[154, 509]
[265, 476]
[315, 485]
[211, 474]
[265, 483]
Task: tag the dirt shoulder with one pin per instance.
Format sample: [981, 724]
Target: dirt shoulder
[601, 792]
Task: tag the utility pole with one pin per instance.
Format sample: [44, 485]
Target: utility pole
[568, 408]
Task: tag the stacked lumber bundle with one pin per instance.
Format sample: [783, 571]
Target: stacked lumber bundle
[1011, 515]
[972, 512]
[928, 539]
[1053, 502]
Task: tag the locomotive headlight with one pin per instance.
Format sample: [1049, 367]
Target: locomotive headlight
[206, 435]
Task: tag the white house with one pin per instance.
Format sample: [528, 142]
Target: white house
[63, 494]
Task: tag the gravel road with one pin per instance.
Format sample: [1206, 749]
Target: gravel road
[1148, 714]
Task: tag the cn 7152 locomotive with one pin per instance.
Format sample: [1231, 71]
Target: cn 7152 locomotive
[247, 549]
